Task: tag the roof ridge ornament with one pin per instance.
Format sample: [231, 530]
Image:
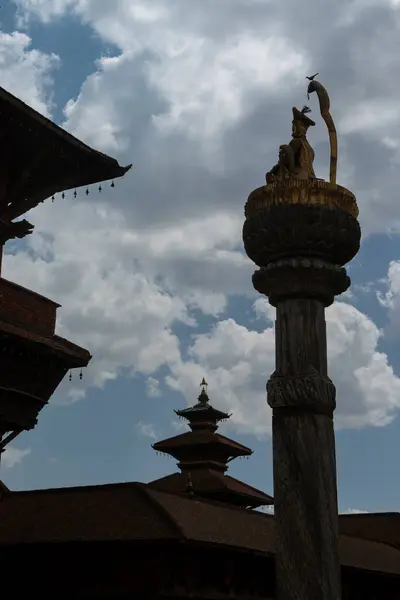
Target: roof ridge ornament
[203, 398]
[204, 384]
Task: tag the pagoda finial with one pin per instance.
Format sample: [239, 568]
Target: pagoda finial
[203, 398]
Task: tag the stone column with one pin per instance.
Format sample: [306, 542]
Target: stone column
[301, 233]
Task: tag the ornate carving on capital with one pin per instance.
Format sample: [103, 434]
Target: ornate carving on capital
[291, 230]
[301, 278]
[306, 392]
[307, 192]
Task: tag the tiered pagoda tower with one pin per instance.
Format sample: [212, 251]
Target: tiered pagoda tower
[39, 160]
[301, 231]
[204, 456]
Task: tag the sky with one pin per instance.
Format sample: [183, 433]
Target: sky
[151, 274]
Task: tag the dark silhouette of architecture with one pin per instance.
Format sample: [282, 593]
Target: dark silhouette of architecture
[195, 534]
[133, 540]
[300, 231]
[203, 457]
[41, 160]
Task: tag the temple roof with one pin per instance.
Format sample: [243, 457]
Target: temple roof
[203, 457]
[134, 512]
[212, 484]
[44, 159]
[202, 414]
[180, 445]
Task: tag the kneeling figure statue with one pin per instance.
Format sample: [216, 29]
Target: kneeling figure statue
[296, 158]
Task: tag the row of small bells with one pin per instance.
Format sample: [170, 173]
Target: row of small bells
[80, 375]
[100, 189]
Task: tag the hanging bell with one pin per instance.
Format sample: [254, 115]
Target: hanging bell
[81, 375]
[112, 184]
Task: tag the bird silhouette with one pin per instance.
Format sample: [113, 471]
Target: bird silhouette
[312, 77]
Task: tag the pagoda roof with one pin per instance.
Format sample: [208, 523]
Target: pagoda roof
[194, 439]
[133, 512]
[44, 159]
[202, 408]
[214, 484]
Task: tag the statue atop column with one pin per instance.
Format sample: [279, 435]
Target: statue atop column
[296, 158]
[301, 231]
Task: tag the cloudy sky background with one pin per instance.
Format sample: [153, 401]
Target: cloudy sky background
[151, 275]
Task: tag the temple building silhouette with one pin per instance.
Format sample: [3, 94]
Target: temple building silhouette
[196, 533]
[203, 457]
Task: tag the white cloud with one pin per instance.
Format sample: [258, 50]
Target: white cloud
[43, 9]
[153, 387]
[199, 97]
[25, 71]
[239, 361]
[179, 426]
[147, 430]
[213, 69]
[206, 85]
[13, 456]
[95, 264]
[389, 298]
[121, 316]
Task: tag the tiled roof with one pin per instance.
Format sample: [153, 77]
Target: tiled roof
[202, 409]
[134, 512]
[104, 513]
[208, 483]
[191, 439]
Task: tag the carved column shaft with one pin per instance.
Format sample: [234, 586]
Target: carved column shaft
[300, 336]
[303, 399]
[300, 233]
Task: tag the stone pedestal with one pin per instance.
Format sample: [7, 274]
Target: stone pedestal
[301, 233]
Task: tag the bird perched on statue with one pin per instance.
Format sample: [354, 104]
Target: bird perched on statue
[312, 77]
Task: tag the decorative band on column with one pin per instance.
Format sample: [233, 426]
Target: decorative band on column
[301, 278]
[307, 393]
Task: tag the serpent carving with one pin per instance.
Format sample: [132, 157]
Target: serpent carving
[324, 105]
